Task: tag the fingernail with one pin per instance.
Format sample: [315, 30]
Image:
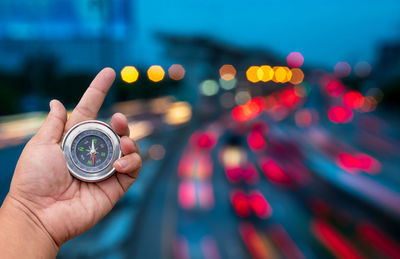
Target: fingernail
[51, 104]
[122, 163]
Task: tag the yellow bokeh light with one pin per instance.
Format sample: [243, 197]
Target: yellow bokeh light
[129, 74]
[267, 73]
[297, 76]
[176, 72]
[252, 74]
[156, 73]
[227, 72]
[178, 113]
[280, 75]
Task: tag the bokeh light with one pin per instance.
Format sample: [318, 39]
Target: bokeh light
[227, 85]
[342, 69]
[335, 88]
[295, 59]
[242, 97]
[282, 74]
[227, 72]
[129, 74]
[297, 76]
[178, 113]
[209, 87]
[156, 73]
[265, 73]
[353, 99]
[252, 74]
[227, 100]
[157, 152]
[362, 69]
[176, 72]
[340, 114]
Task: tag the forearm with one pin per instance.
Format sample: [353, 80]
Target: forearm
[22, 235]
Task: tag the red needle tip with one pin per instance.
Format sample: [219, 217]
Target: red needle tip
[93, 159]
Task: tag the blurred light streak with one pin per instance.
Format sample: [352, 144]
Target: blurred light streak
[295, 59]
[203, 140]
[227, 72]
[297, 76]
[155, 73]
[210, 248]
[256, 141]
[157, 152]
[333, 240]
[252, 74]
[273, 172]
[228, 85]
[130, 108]
[319, 207]
[249, 110]
[342, 69]
[240, 203]
[206, 195]
[129, 74]
[160, 105]
[252, 241]
[140, 129]
[353, 99]
[178, 113]
[353, 164]
[187, 194]
[14, 129]
[259, 204]
[376, 238]
[176, 72]
[181, 248]
[362, 69]
[285, 243]
[209, 87]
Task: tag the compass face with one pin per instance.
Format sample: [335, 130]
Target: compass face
[91, 148]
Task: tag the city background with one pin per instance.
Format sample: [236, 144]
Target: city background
[268, 129]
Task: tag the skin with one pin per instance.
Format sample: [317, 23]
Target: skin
[46, 206]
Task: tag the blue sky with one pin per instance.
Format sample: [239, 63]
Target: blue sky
[326, 32]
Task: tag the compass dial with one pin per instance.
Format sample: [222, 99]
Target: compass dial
[91, 148]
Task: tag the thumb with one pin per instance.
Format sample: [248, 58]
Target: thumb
[53, 128]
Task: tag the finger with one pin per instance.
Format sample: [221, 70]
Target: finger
[129, 164]
[52, 129]
[93, 98]
[119, 124]
[128, 146]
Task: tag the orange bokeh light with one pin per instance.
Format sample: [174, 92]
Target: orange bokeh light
[297, 76]
[227, 72]
[176, 72]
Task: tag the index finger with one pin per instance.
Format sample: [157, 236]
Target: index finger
[92, 99]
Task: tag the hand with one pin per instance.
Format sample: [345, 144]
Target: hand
[42, 187]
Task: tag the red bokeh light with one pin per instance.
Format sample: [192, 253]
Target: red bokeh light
[259, 204]
[289, 97]
[353, 99]
[240, 203]
[256, 141]
[335, 88]
[339, 114]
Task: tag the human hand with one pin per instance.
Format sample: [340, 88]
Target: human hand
[42, 188]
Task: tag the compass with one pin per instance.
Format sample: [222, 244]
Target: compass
[91, 148]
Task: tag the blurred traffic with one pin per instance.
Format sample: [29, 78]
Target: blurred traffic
[248, 153]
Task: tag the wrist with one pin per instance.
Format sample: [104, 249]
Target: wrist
[22, 233]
